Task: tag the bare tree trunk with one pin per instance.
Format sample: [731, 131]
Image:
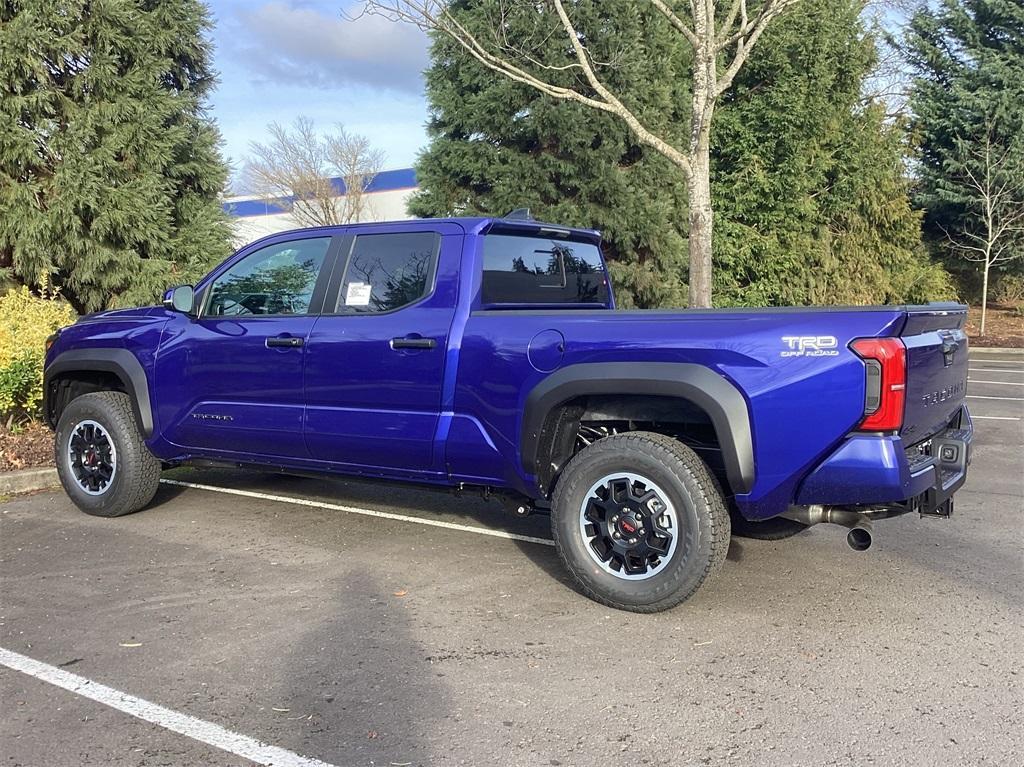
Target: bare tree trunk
[700, 230]
[984, 297]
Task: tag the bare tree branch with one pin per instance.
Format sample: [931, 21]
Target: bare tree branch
[742, 25]
[676, 22]
[298, 166]
[434, 15]
[357, 162]
[745, 36]
[993, 180]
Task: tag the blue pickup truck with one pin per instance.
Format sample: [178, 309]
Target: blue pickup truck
[488, 353]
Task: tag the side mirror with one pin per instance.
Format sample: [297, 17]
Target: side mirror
[180, 299]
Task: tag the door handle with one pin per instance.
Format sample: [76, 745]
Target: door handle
[287, 342]
[412, 342]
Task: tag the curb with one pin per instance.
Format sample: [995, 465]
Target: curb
[27, 480]
[997, 350]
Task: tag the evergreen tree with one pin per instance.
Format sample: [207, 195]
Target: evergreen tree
[809, 181]
[968, 105]
[810, 198]
[109, 168]
[497, 145]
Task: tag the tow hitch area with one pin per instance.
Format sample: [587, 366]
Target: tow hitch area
[929, 508]
[948, 457]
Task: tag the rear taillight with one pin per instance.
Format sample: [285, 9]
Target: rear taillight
[885, 366]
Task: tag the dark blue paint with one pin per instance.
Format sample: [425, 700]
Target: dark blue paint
[212, 369]
[347, 402]
[864, 469]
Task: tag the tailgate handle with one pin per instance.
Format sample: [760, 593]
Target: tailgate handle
[949, 347]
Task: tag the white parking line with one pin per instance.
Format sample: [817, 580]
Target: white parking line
[994, 417]
[995, 370]
[183, 724]
[997, 383]
[364, 512]
[1001, 399]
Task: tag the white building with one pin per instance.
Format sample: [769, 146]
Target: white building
[385, 200]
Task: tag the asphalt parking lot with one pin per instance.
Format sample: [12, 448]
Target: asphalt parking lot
[322, 633]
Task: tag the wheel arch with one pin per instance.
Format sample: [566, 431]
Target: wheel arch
[80, 371]
[553, 403]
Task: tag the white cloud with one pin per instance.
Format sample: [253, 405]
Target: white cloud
[300, 45]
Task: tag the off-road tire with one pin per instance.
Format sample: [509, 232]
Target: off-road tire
[137, 475]
[695, 495]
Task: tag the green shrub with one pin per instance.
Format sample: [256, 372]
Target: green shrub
[25, 322]
[1009, 290]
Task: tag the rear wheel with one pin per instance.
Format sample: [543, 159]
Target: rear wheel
[639, 521]
[103, 463]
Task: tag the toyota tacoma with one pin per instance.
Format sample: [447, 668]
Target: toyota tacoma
[488, 353]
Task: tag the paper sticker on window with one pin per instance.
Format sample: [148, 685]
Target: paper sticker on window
[358, 294]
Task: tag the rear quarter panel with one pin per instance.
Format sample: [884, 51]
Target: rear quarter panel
[802, 402]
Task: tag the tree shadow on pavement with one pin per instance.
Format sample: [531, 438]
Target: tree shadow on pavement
[359, 687]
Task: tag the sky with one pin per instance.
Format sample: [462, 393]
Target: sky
[278, 60]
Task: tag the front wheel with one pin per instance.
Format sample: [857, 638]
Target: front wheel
[103, 463]
[639, 521]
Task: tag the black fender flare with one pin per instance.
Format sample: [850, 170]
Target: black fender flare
[120, 362]
[713, 393]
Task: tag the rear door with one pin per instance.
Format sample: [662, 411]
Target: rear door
[375, 360]
[936, 369]
[231, 380]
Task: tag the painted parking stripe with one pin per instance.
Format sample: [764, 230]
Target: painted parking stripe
[183, 724]
[997, 383]
[1001, 399]
[363, 512]
[994, 417]
[995, 370]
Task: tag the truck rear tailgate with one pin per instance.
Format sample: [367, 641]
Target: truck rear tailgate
[936, 368]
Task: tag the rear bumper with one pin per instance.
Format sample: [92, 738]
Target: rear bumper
[880, 471]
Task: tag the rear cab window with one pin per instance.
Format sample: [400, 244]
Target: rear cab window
[530, 270]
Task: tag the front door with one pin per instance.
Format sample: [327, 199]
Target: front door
[375, 360]
[231, 380]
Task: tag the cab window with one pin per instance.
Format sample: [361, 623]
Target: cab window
[277, 279]
[538, 270]
[387, 271]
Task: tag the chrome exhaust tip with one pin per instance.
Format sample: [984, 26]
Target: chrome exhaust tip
[858, 522]
[859, 538]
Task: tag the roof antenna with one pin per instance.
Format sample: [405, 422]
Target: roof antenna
[522, 214]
